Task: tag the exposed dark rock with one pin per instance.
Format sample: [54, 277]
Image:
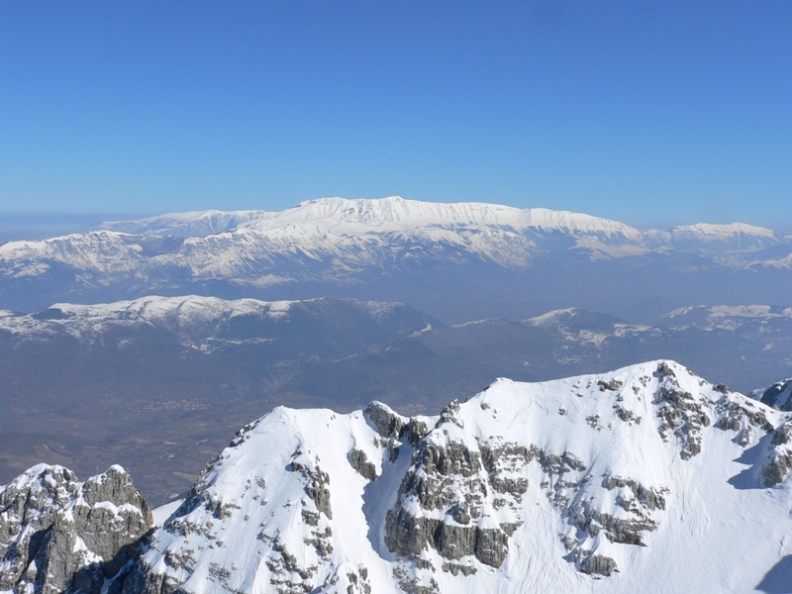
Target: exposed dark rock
[776, 468]
[612, 385]
[683, 416]
[316, 486]
[779, 395]
[385, 421]
[416, 430]
[360, 462]
[457, 568]
[57, 535]
[664, 370]
[651, 499]
[597, 565]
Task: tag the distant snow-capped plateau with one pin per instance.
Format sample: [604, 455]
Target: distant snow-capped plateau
[369, 248]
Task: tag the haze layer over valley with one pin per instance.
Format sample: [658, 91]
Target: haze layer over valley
[158, 384]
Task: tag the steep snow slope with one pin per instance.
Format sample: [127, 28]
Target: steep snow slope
[645, 479]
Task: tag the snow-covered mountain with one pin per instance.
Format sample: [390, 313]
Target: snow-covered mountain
[372, 248]
[210, 323]
[648, 478]
[594, 483]
[387, 214]
[778, 395]
[330, 238]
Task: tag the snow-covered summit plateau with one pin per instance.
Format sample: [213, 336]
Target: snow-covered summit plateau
[648, 478]
[392, 213]
[321, 245]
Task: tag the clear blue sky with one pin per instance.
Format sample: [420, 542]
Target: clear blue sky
[648, 112]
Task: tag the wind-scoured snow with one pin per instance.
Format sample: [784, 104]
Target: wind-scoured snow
[648, 478]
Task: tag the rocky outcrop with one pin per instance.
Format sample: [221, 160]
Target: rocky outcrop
[461, 490]
[59, 535]
[777, 465]
[387, 422]
[359, 461]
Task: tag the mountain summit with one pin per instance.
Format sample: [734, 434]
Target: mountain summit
[404, 250]
[648, 478]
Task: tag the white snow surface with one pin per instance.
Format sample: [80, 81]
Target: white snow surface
[252, 525]
[392, 213]
[336, 239]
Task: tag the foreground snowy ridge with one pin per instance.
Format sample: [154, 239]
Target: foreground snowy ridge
[595, 483]
[648, 478]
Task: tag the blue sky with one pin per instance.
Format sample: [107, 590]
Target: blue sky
[647, 112]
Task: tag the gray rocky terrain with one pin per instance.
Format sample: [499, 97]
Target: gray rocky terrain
[61, 535]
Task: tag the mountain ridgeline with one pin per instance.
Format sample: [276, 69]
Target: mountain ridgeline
[457, 262]
[592, 483]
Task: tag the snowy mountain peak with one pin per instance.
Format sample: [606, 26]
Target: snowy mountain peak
[598, 482]
[393, 210]
[712, 231]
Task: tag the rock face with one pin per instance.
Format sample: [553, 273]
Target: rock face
[779, 395]
[592, 483]
[60, 535]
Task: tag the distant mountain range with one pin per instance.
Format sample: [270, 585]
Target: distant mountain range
[159, 383]
[648, 478]
[455, 261]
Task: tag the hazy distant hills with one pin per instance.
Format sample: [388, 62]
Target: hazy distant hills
[156, 380]
[455, 261]
[159, 383]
